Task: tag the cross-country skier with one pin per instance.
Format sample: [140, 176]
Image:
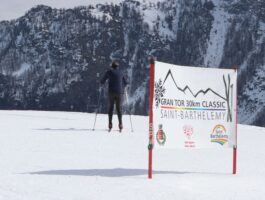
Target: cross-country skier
[117, 82]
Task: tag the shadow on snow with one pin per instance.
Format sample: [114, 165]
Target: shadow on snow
[117, 172]
[69, 129]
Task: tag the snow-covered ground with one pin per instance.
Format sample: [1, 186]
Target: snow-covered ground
[56, 156]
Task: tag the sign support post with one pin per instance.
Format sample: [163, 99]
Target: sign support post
[235, 146]
[151, 91]
[234, 159]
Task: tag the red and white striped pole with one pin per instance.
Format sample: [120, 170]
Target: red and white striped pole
[235, 146]
[151, 92]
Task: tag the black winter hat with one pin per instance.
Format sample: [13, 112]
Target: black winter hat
[114, 64]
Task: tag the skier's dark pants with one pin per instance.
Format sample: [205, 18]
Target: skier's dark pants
[115, 98]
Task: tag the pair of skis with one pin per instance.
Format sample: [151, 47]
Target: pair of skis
[109, 130]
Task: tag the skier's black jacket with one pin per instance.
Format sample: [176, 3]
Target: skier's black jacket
[117, 81]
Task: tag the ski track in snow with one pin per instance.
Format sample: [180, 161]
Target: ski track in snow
[56, 156]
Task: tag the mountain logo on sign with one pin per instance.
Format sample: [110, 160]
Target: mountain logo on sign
[160, 92]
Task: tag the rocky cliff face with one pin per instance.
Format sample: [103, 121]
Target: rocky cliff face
[50, 58]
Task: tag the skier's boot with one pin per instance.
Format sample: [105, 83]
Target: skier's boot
[110, 126]
[120, 127]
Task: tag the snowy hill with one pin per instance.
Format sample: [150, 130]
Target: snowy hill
[49, 57]
[56, 156]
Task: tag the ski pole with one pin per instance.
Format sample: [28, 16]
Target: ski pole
[99, 94]
[127, 99]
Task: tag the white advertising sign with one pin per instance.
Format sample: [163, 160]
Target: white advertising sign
[194, 107]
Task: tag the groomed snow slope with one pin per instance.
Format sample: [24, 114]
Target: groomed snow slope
[56, 156]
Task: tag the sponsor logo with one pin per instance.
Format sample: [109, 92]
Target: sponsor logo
[160, 135]
[188, 132]
[219, 135]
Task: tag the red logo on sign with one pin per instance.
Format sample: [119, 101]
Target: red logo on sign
[188, 131]
[160, 135]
